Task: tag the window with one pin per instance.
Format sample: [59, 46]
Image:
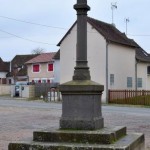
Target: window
[129, 82]
[36, 81]
[111, 79]
[43, 80]
[50, 67]
[148, 70]
[139, 82]
[36, 68]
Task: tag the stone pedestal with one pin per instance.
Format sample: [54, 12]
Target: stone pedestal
[81, 107]
[112, 138]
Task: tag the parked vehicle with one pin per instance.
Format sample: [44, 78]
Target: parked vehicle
[17, 90]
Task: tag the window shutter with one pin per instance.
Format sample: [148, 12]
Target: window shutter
[48, 81]
[36, 68]
[129, 82]
[112, 80]
[50, 67]
[139, 84]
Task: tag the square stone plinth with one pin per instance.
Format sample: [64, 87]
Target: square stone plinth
[114, 138]
[102, 136]
[81, 107]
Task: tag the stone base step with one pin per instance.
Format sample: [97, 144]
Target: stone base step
[102, 136]
[133, 141]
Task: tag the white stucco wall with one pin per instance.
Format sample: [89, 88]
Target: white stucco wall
[5, 89]
[57, 71]
[67, 56]
[142, 73]
[96, 56]
[3, 74]
[121, 62]
[42, 74]
[148, 82]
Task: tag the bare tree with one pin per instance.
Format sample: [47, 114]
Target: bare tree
[38, 50]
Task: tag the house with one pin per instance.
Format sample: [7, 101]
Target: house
[115, 61]
[57, 67]
[4, 69]
[40, 69]
[142, 69]
[18, 69]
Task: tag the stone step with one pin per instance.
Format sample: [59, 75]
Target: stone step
[129, 142]
[102, 136]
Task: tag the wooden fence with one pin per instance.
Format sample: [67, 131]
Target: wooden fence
[135, 97]
[47, 91]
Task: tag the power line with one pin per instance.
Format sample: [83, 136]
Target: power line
[138, 34]
[1, 37]
[25, 38]
[48, 26]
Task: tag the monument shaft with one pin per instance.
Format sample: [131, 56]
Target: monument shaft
[81, 107]
[81, 70]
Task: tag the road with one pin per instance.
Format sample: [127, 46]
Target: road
[19, 118]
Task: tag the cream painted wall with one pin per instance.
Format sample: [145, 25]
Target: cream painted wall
[68, 56]
[121, 63]
[44, 73]
[57, 71]
[3, 74]
[148, 82]
[5, 89]
[96, 56]
[121, 60]
[142, 73]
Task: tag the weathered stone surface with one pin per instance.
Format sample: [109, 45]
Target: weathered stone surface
[81, 108]
[103, 136]
[129, 142]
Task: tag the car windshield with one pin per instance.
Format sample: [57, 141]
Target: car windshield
[21, 83]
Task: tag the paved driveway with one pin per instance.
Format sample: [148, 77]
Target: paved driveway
[19, 118]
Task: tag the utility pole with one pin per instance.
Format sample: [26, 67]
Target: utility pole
[127, 21]
[113, 7]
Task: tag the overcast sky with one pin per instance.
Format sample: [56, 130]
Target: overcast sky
[53, 18]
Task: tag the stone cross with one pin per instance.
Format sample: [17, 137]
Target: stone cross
[81, 70]
[81, 107]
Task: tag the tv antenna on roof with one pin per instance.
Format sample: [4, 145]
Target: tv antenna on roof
[113, 7]
[127, 21]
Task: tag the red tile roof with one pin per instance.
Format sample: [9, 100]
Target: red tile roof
[42, 58]
[19, 61]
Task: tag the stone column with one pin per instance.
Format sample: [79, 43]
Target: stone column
[81, 107]
[81, 70]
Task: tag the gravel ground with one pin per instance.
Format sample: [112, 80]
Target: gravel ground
[19, 118]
